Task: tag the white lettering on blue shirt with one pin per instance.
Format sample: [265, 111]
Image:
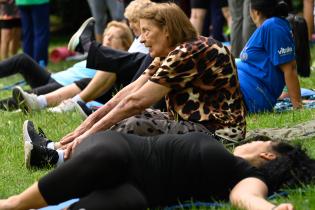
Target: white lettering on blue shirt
[285, 51]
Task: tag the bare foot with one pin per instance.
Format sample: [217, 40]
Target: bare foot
[283, 95]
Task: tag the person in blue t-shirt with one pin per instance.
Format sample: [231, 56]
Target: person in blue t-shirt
[267, 62]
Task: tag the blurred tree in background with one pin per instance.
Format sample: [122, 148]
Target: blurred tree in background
[68, 15]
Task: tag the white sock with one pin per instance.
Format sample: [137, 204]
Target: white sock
[60, 159]
[42, 102]
[51, 145]
[77, 98]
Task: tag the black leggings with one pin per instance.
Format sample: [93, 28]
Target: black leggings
[38, 78]
[31, 71]
[98, 174]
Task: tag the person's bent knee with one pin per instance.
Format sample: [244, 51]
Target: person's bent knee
[103, 146]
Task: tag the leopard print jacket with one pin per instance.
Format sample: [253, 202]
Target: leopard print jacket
[204, 86]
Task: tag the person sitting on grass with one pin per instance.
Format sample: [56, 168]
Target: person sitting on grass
[104, 84]
[112, 170]
[268, 60]
[69, 82]
[302, 57]
[195, 74]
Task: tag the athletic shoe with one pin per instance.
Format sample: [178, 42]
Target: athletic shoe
[83, 110]
[64, 106]
[81, 40]
[40, 157]
[30, 134]
[26, 102]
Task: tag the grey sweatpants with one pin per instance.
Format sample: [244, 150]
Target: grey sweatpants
[242, 25]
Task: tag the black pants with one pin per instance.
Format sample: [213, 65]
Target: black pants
[119, 62]
[38, 78]
[98, 174]
[104, 58]
[113, 170]
[33, 73]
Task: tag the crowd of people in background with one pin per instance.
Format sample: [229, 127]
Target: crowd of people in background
[172, 93]
[211, 18]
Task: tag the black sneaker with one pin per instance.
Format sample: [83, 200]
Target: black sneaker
[81, 40]
[39, 157]
[83, 109]
[30, 134]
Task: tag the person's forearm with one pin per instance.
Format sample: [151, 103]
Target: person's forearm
[126, 108]
[110, 105]
[138, 99]
[292, 82]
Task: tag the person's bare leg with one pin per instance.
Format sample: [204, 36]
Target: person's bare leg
[56, 97]
[6, 35]
[101, 82]
[227, 15]
[308, 7]
[15, 42]
[197, 18]
[31, 198]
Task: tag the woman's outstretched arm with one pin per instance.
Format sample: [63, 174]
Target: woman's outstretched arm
[102, 112]
[133, 104]
[250, 194]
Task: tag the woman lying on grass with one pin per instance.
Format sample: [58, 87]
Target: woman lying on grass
[123, 171]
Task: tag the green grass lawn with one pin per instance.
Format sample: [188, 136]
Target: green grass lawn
[14, 177]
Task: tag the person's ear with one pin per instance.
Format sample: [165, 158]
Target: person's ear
[165, 31]
[256, 12]
[267, 156]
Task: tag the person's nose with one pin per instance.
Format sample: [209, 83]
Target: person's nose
[142, 38]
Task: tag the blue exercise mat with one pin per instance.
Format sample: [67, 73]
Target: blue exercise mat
[61, 205]
[93, 104]
[307, 92]
[174, 207]
[10, 87]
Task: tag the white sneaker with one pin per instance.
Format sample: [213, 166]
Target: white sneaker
[64, 106]
[26, 101]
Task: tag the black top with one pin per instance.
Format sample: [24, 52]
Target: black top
[169, 168]
[124, 64]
